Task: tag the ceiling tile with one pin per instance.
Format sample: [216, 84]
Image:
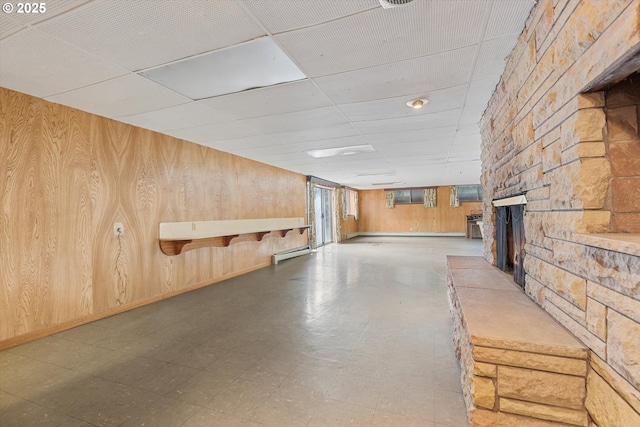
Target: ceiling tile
[52, 9]
[424, 175]
[382, 36]
[430, 160]
[420, 75]
[284, 160]
[472, 113]
[296, 121]
[122, 96]
[431, 148]
[255, 141]
[154, 32]
[281, 15]
[349, 141]
[481, 90]
[493, 57]
[468, 129]
[402, 136]
[306, 169]
[215, 132]
[181, 116]
[284, 98]
[462, 173]
[316, 134]
[428, 121]
[8, 26]
[439, 100]
[467, 139]
[467, 151]
[35, 63]
[358, 161]
[261, 152]
[508, 17]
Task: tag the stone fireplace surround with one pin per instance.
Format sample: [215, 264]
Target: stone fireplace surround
[558, 131]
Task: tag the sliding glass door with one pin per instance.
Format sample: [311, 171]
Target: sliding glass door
[323, 215]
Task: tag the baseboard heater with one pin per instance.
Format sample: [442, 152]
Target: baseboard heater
[292, 253]
[407, 233]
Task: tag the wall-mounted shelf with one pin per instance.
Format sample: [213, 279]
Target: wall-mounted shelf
[178, 237]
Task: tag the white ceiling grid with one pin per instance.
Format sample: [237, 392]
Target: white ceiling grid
[122, 96]
[52, 9]
[389, 108]
[207, 135]
[348, 141]
[362, 62]
[144, 34]
[8, 26]
[279, 99]
[293, 14]
[42, 66]
[317, 134]
[192, 114]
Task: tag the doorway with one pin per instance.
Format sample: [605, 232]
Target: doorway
[322, 202]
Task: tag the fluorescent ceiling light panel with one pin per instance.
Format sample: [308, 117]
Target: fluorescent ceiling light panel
[341, 151]
[390, 173]
[388, 183]
[254, 64]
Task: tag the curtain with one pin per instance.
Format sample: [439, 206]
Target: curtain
[312, 215]
[337, 200]
[343, 202]
[355, 207]
[455, 202]
[429, 197]
[389, 199]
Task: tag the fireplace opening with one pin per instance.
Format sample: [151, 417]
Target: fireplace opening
[510, 241]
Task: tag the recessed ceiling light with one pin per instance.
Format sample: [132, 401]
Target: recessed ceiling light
[388, 4]
[341, 151]
[250, 65]
[418, 103]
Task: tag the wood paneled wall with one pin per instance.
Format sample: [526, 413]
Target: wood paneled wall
[67, 176]
[348, 227]
[376, 217]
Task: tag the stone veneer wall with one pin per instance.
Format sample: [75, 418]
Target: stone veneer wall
[544, 136]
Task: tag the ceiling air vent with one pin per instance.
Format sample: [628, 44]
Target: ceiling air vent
[387, 4]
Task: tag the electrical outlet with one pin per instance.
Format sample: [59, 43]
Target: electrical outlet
[118, 229]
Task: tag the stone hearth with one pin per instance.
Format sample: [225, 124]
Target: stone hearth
[519, 366]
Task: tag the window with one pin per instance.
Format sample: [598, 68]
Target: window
[406, 197]
[469, 193]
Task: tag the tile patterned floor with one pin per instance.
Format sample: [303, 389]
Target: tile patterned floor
[356, 334]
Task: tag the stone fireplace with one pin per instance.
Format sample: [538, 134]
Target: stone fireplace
[562, 129]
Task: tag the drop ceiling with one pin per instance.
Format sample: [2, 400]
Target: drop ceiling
[359, 65]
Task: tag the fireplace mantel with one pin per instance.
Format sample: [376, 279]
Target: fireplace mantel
[509, 201]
